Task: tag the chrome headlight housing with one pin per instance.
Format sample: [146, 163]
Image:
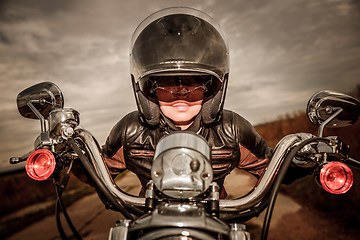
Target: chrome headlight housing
[181, 166]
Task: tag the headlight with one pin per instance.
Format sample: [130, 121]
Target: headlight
[181, 166]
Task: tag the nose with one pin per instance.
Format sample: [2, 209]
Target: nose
[181, 91]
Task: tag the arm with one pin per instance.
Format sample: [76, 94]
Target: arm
[112, 154]
[113, 150]
[254, 152]
[255, 155]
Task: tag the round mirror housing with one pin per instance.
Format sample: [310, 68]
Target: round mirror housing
[324, 104]
[44, 97]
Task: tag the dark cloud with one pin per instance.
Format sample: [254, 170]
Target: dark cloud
[308, 46]
[4, 39]
[42, 7]
[281, 52]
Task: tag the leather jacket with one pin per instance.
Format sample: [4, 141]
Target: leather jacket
[233, 141]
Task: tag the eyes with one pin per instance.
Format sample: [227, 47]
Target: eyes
[172, 93]
[189, 87]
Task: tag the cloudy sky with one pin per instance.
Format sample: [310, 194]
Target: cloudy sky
[281, 53]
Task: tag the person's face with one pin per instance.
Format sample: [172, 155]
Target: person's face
[180, 98]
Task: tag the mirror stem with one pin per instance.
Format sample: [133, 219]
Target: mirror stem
[37, 113]
[323, 125]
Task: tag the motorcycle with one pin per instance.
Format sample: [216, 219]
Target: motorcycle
[182, 200]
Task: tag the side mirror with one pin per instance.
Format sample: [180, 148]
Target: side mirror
[39, 99]
[328, 108]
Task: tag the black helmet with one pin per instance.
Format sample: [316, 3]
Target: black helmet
[179, 41]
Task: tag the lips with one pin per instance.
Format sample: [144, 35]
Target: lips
[181, 106]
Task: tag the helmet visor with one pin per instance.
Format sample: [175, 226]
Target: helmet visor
[175, 87]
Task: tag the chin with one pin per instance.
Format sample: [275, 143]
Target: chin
[178, 116]
[182, 119]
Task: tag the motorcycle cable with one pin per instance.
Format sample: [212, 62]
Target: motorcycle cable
[98, 182]
[58, 221]
[60, 206]
[59, 188]
[280, 178]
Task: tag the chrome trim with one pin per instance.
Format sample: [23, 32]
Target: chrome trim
[245, 202]
[181, 167]
[101, 170]
[264, 184]
[183, 139]
[327, 121]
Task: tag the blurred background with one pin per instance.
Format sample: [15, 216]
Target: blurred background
[281, 52]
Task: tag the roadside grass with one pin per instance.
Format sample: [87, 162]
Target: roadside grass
[25, 201]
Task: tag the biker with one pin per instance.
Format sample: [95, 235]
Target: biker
[179, 69]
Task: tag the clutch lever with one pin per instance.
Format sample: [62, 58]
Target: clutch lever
[16, 160]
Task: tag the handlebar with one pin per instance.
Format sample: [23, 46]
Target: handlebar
[233, 205]
[100, 168]
[265, 183]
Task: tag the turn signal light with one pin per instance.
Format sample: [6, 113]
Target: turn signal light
[336, 177]
[40, 164]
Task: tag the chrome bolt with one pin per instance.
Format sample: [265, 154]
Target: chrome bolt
[67, 132]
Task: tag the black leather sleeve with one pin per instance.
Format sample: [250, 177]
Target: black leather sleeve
[113, 150]
[254, 152]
